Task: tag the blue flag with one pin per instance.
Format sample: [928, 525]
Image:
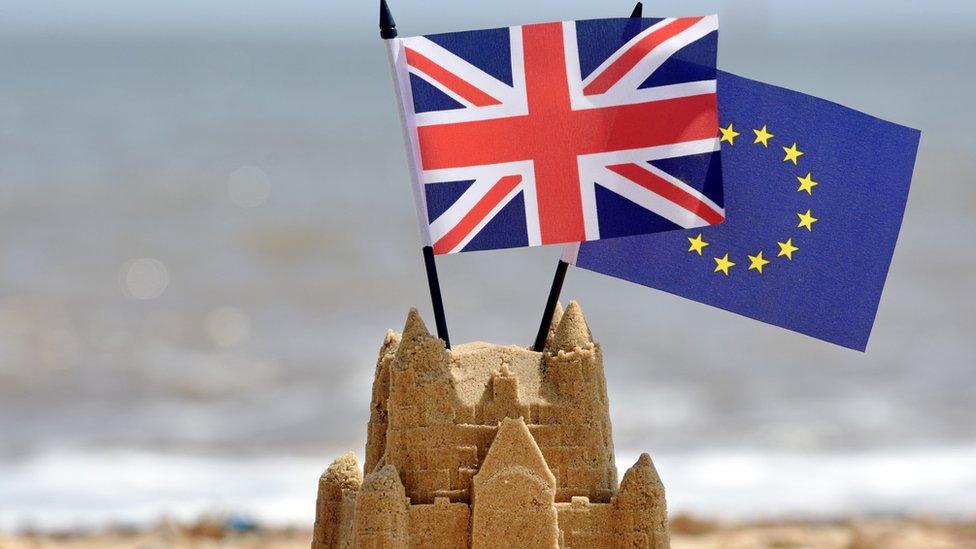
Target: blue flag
[814, 198]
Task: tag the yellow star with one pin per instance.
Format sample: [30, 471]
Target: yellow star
[807, 183]
[763, 136]
[757, 262]
[792, 153]
[787, 248]
[723, 264]
[806, 220]
[697, 244]
[729, 134]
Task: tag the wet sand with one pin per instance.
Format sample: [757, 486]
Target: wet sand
[687, 533]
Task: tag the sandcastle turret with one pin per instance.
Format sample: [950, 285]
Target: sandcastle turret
[557, 315]
[472, 445]
[641, 498]
[572, 333]
[378, 412]
[382, 511]
[421, 396]
[514, 493]
[336, 504]
[571, 353]
[415, 332]
[574, 370]
[418, 350]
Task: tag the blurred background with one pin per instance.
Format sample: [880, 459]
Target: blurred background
[206, 227]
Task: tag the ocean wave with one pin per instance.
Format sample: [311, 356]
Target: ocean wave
[81, 490]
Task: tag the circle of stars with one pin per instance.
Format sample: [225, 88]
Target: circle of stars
[759, 261]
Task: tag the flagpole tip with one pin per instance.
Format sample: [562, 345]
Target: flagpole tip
[387, 24]
[638, 10]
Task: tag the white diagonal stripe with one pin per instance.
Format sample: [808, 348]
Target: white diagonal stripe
[456, 212]
[683, 186]
[650, 200]
[444, 89]
[485, 177]
[513, 99]
[633, 95]
[623, 49]
[593, 167]
[656, 57]
[460, 68]
[491, 215]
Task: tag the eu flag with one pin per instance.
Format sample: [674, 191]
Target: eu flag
[814, 198]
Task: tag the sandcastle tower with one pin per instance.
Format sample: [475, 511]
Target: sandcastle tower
[490, 446]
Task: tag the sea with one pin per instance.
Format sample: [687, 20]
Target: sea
[205, 234]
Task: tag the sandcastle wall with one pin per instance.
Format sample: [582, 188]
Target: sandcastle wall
[444, 407]
[490, 446]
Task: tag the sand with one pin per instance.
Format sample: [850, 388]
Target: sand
[486, 446]
[877, 533]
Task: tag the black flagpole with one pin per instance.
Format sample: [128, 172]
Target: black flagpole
[557, 287]
[388, 31]
[435, 295]
[561, 268]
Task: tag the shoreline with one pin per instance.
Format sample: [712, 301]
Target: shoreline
[686, 532]
[53, 491]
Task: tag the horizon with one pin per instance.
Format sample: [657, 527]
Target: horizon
[420, 17]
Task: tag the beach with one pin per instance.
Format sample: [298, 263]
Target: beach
[687, 533]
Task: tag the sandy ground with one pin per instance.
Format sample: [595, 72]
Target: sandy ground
[686, 533]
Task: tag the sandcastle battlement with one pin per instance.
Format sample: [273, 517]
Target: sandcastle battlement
[489, 445]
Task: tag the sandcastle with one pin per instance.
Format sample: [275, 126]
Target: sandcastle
[490, 446]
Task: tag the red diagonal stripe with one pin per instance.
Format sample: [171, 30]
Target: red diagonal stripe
[449, 80]
[668, 191]
[471, 220]
[630, 58]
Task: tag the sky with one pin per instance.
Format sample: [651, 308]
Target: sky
[423, 16]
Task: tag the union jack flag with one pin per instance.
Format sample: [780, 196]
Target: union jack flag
[561, 132]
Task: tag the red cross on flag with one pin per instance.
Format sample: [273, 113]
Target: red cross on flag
[561, 132]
